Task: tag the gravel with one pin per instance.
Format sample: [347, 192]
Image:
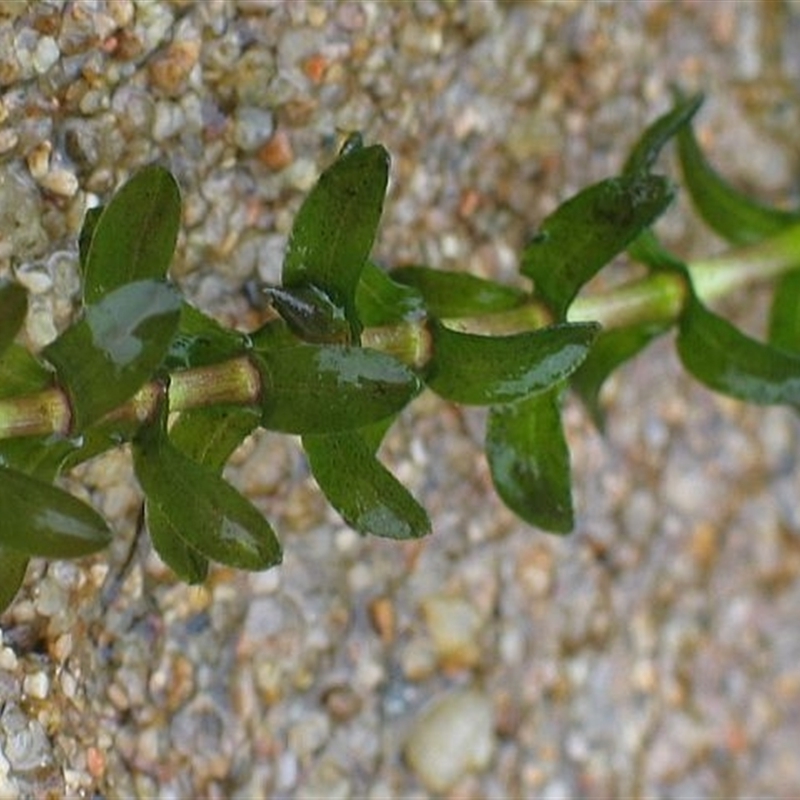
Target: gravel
[654, 652]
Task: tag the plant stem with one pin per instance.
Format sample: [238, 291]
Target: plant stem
[656, 298]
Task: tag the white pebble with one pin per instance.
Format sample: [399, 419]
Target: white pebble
[60, 182]
[8, 659]
[46, 54]
[454, 736]
[36, 685]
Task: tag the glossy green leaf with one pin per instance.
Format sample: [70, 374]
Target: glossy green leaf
[207, 436]
[86, 235]
[13, 308]
[381, 300]
[586, 232]
[200, 340]
[134, 237]
[335, 227]
[651, 143]
[529, 460]
[198, 506]
[104, 358]
[210, 435]
[21, 372]
[784, 321]
[728, 361]
[329, 388]
[611, 349]
[187, 563]
[731, 213]
[38, 519]
[482, 370]
[458, 294]
[310, 314]
[40, 457]
[13, 566]
[368, 497]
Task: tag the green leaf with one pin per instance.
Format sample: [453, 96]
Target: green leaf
[459, 294]
[611, 349]
[186, 562]
[586, 232]
[210, 435]
[529, 460]
[13, 308]
[310, 314]
[335, 227]
[728, 361]
[38, 519]
[21, 372]
[200, 340]
[134, 237]
[652, 141]
[329, 388]
[733, 215]
[381, 300]
[40, 457]
[784, 321]
[200, 508]
[13, 566]
[482, 370]
[90, 220]
[368, 497]
[104, 358]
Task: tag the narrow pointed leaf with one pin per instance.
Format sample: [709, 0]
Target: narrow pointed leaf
[381, 300]
[611, 349]
[104, 358]
[784, 322]
[200, 340]
[328, 388]
[13, 308]
[459, 294]
[13, 566]
[21, 372]
[482, 370]
[134, 237]
[529, 460]
[368, 497]
[210, 435]
[310, 314]
[40, 457]
[335, 227]
[587, 231]
[728, 361]
[186, 562]
[86, 235]
[38, 519]
[652, 141]
[731, 213]
[207, 513]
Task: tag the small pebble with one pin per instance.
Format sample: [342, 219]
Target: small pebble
[451, 738]
[36, 685]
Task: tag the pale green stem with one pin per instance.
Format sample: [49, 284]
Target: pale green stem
[658, 297]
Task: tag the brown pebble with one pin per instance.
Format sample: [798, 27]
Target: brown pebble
[171, 71]
[341, 702]
[315, 67]
[277, 152]
[382, 617]
[95, 762]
